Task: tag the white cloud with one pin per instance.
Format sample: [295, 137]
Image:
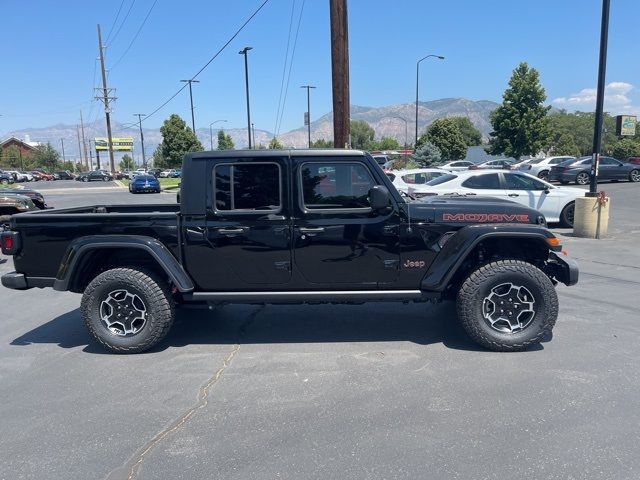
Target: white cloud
[616, 98]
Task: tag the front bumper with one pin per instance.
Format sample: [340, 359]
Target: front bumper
[563, 268]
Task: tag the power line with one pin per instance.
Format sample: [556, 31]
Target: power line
[135, 36]
[206, 64]
[114, 21]
[115, 35]
[284, 67]
[293, 53]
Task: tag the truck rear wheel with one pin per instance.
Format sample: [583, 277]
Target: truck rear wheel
[128, 310]
[507, 305]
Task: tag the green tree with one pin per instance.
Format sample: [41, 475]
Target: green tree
[471, 134]
[80, 167]
[322, 143]
[427, 155]
[520, 124]
[361, 135]
[566, 146]
[126, 163]
[626, 148]
[579, 126]
[387, 143]
[45, 156]
[445, 134]
[274, 144]
[11, 157]
[224, 141]
[177, 140]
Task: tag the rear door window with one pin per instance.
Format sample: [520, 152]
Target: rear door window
[247, 187]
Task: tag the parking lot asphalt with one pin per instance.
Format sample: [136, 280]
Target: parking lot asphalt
[348, 392]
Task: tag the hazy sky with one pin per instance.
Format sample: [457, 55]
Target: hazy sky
[49, 52]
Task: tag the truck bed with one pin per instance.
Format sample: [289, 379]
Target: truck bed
[51, 231]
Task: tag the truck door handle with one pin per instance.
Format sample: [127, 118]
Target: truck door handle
[231, 231]
[514, 195]
[311, 230]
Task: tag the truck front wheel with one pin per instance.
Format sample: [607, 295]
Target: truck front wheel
[128, 310]
[507, 305]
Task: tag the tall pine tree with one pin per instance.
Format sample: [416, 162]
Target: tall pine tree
[520, 124]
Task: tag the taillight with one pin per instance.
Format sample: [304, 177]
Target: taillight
[10, 242]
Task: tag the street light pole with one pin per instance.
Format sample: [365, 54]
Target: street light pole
[144, 158]
[246, 81]
[211, 130]
[440, 57]
[193, 119]
[308, 87]
[602, 69]
[64, 158]
[253, 133]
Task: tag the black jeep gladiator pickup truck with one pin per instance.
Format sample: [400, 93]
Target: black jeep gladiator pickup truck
[300, 226]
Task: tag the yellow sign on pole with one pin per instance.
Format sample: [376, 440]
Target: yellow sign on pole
[124, 143]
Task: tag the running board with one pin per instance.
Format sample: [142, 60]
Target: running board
[310, 296]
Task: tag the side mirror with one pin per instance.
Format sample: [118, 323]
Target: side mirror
[379, 197]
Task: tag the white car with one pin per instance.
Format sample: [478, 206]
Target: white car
[169, 173]
[20, 176]
[413, 181]
[457, 166]
[556, 203]
[540, 167]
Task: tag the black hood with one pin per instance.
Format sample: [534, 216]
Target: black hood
[466, 210]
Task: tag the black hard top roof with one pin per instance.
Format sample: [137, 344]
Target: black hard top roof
[266, 153]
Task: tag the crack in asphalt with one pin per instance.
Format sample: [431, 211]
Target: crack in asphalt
[606, 263]
[132, 466]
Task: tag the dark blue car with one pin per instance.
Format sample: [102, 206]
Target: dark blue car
[144, 183]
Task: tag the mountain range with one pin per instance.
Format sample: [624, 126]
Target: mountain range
[386, 121]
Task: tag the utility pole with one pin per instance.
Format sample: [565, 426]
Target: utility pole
[602, 71]
[193, 118]
[91, 156]
[144, 158]
[105, 99]
[340, 72]
[79, 144]
[308, 119]
[246, 82]
[64, 158]
[84, 139]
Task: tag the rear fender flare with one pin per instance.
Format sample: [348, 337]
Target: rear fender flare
[79, 248]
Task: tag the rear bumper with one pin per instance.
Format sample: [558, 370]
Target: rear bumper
[561, 177]
[18, 281]
[14, 280]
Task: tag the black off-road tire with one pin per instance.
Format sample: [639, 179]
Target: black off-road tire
[150, 288]
[479, 285]
[567, 214]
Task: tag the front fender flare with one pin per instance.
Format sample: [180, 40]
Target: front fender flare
[80, 247]
[460, 245]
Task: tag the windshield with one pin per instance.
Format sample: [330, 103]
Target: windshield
[441, 179]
